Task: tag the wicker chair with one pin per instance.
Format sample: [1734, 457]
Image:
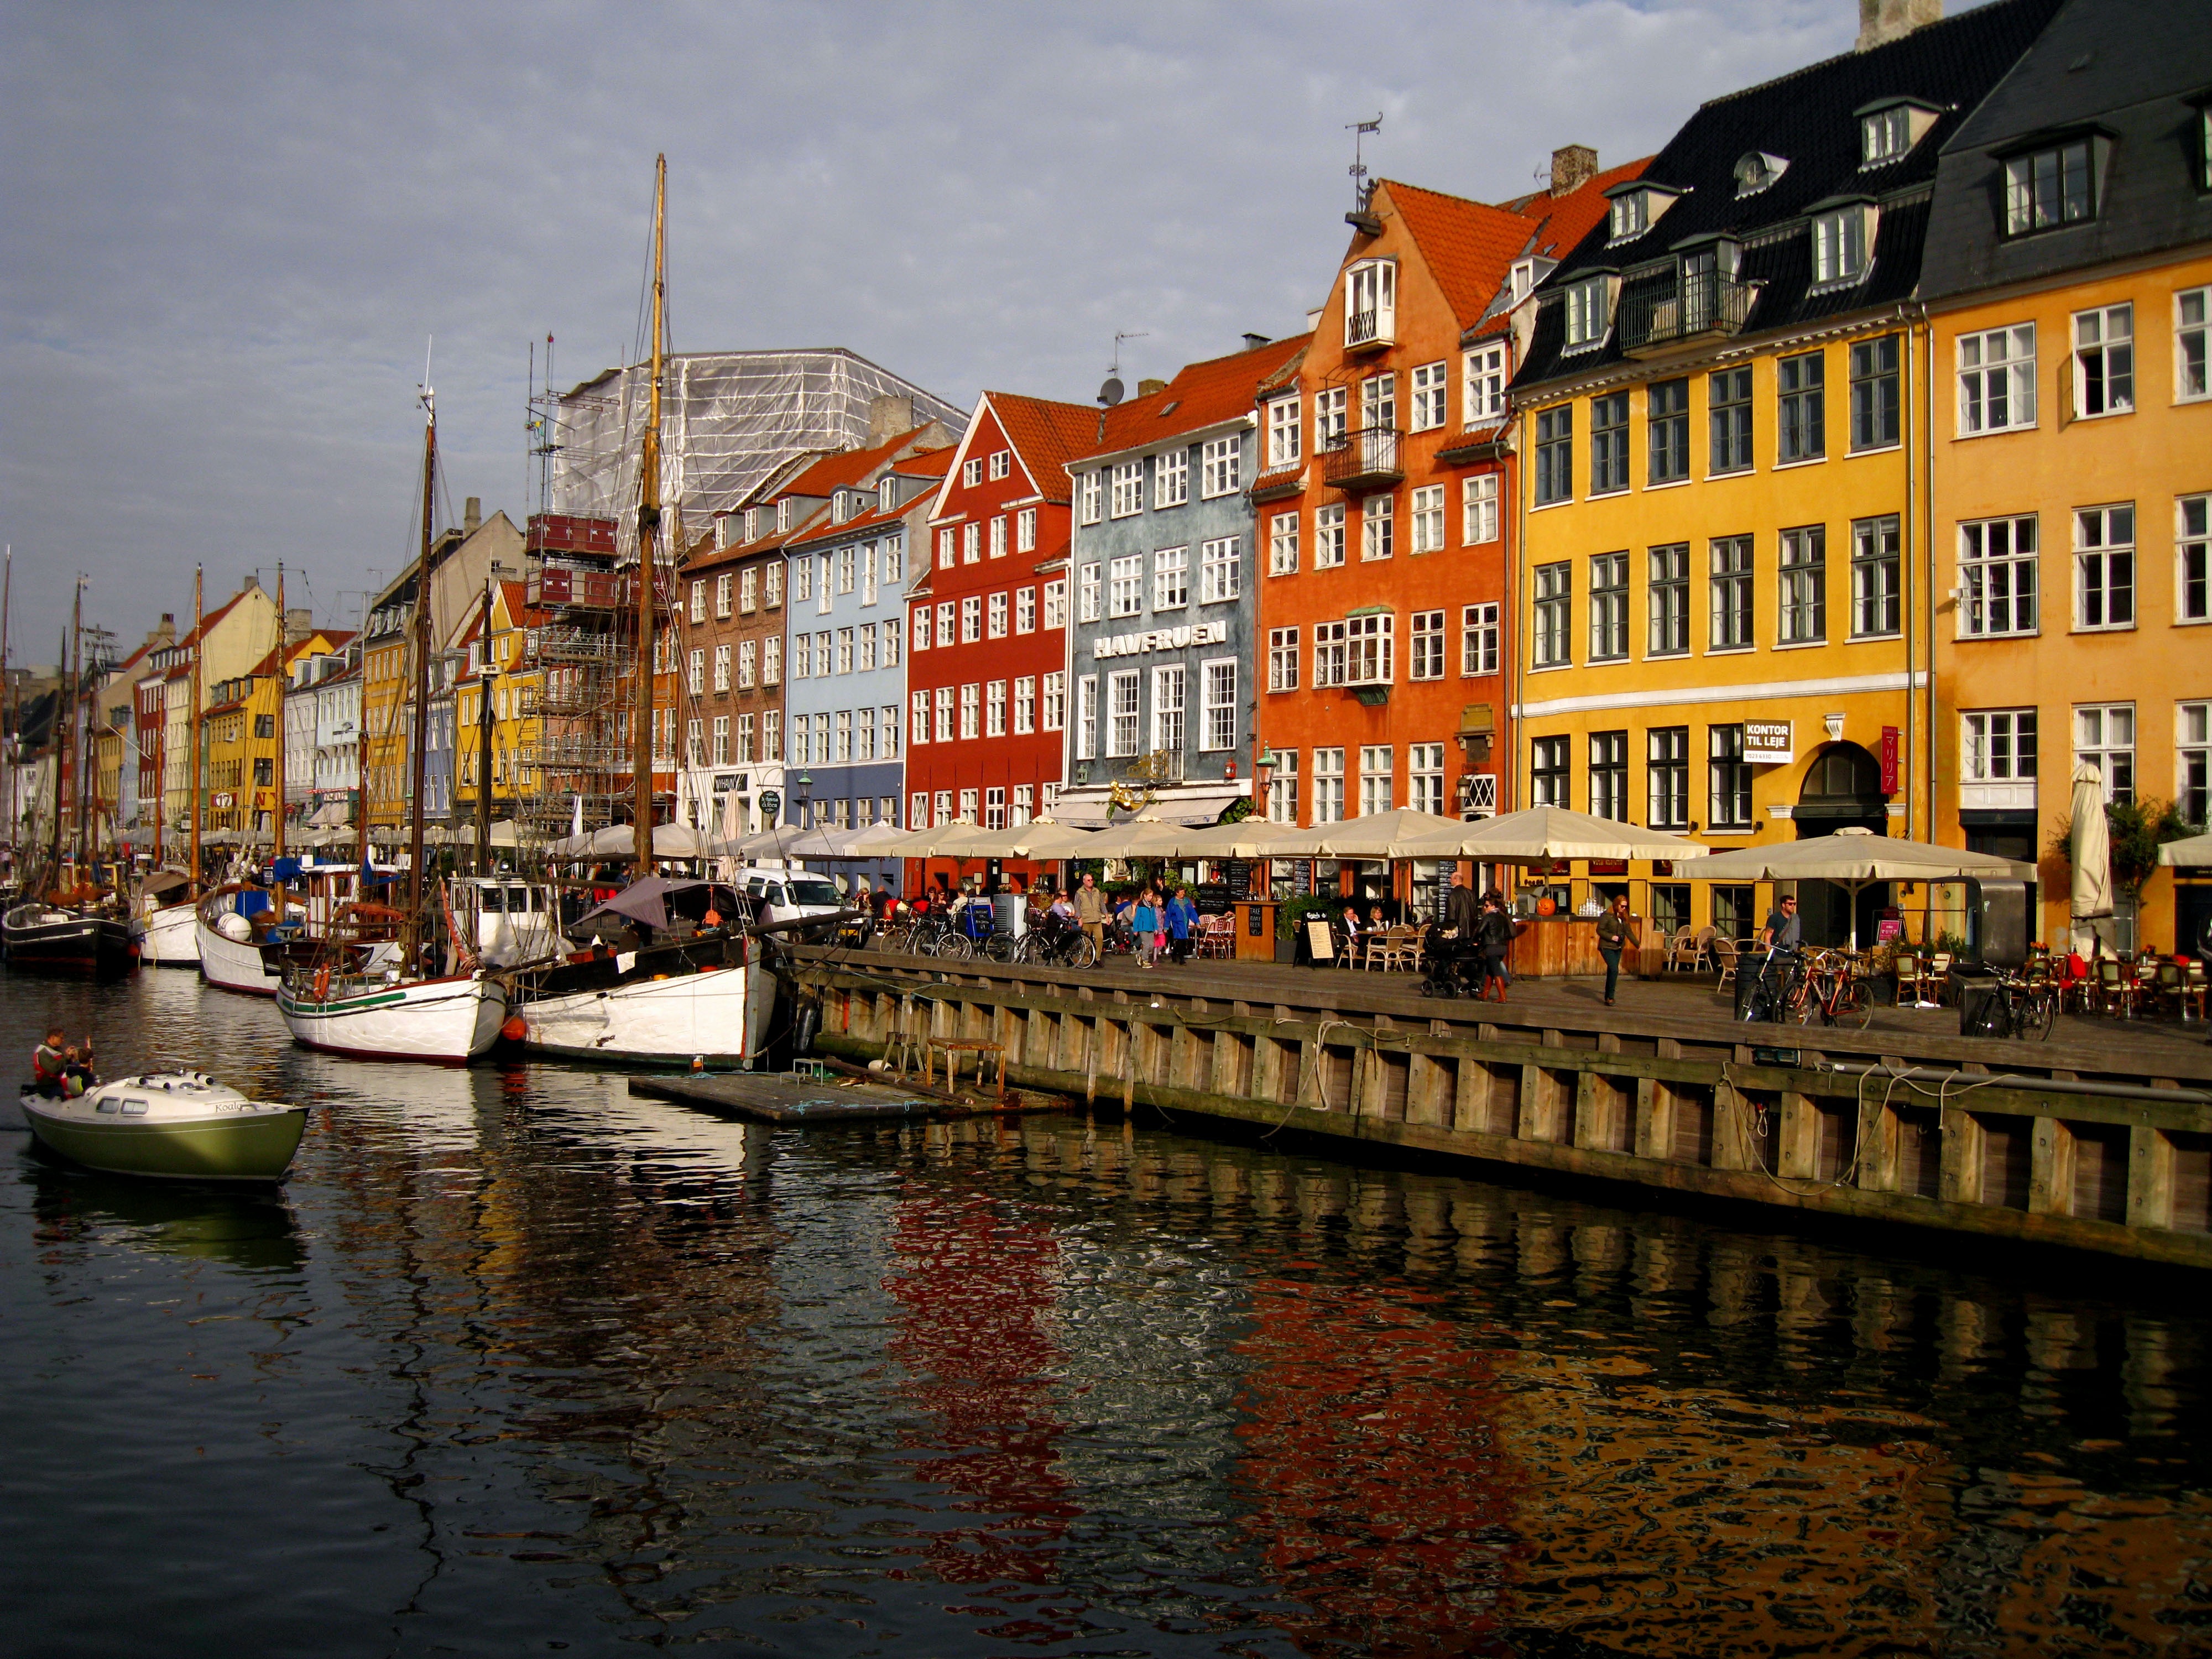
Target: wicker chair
[1726, 954]
[1908, 978]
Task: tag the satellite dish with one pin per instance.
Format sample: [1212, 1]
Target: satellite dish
[1113, 391]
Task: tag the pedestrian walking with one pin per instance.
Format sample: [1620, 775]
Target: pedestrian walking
[1182, 914]
[1091, 911]
[1494, 935]
[1616, 931]
[1144, 924]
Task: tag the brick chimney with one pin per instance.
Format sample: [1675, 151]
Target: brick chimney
[1574, 165]
[890, 416]
[1881, 21]
[471, 515]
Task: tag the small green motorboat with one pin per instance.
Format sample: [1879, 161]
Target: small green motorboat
[183, 1125]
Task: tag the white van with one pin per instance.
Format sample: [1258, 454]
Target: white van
[788, 894]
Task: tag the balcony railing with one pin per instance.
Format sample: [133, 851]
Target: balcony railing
[1372, 327]
[584, 645]
[1702, 305]
[1371, 455]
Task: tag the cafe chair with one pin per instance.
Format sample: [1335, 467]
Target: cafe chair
[1908, 979]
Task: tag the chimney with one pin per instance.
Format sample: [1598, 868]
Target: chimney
[1254, 342]
[1881, 21]
[1574, 165]
[471, 515]
[298, 623]
[1146, 388]
[253, 581]
[890, 416]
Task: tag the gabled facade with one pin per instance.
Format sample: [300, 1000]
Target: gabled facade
[503, 667]
[307, 753]
[2070, 285]
[1718, 417]
[228, 642]
[1163, 595]
[999, 529]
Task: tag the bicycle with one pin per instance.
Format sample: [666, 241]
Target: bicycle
[1771, 996]
[2029, 1007]
[1833, 994]
[1068, 947]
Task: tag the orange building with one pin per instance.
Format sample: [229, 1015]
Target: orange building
[1379, 506]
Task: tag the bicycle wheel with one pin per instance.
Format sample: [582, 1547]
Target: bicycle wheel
[1082, 953]
[954, 947]
[2040, 1015]
[999, 947]
[1853, 1005]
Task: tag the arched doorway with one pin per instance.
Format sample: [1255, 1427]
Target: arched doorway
[1843, 786]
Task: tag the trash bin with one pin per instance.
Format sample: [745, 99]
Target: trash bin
[1981, 999]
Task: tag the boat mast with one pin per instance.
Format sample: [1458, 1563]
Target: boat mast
[10, 751]
[76, 724]
[421, 651]
[283, 639]
[54, 743]
[198, 622]
[648, 536]
[484, 740]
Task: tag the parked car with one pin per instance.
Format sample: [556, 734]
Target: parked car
[789, 895]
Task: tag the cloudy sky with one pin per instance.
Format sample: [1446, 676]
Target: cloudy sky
[230, 227]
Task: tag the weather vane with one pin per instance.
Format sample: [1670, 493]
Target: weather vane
[1360, 188]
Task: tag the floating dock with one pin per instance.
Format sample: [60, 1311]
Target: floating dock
[796, 1098]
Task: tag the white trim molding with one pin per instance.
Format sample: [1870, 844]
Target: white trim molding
[1758, 691]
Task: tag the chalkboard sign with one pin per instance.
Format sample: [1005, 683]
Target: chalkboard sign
[1235, 876]
[1319, 941]
[1255, 921]
[1211, 898]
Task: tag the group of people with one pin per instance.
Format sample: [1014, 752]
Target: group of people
[1477, 936]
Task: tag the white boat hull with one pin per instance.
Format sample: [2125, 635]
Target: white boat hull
[171, 937]
[661, 1021]
[232, 964]
[444, 1021]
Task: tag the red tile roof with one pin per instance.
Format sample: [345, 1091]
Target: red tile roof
[1567, 219]
[1202, 394]
[1047, 435]
[843, 469]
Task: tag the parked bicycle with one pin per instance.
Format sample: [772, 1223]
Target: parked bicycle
[1832, 992]
[1057, 947]
[1775, 988]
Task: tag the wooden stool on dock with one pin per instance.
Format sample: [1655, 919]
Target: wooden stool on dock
[905, 1051]
[983, 1048]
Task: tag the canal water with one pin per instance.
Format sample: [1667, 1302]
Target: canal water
[516, 1363]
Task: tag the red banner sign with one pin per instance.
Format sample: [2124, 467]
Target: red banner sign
[1888, 760]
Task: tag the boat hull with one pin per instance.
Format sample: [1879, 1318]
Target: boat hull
[79, 947]
[256, 1145]
[232, 964]
[442, 1021]
[655, 1022]
[171, 937]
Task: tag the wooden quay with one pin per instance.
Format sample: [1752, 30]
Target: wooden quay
[2100, 1138]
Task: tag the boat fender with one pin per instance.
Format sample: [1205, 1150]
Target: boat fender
[805, 1024]
[516, 1029]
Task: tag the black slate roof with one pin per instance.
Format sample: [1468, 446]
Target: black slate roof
[2137, 69]
[1808, 118]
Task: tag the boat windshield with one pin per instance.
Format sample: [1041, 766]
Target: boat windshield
[815, 892]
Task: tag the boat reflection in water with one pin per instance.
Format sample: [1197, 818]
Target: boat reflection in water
[247, 1228]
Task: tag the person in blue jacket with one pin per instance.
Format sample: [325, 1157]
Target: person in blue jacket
[1183, 916]
[1144, 923]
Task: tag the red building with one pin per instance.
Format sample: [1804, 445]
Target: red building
[1384, 506]
[987, 680]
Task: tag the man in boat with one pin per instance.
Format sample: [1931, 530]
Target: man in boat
[61, 1071]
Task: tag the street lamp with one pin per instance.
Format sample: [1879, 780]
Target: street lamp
[1263, 769]
[805, 784]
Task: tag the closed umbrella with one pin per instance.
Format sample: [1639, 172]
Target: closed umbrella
[1855, 858]
[2093, 857]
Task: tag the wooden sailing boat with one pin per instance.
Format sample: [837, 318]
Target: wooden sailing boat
[340, 999]
[172, 926]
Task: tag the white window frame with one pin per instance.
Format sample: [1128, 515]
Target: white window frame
[1424, 775]
[1842, 241]
[971, 472]
[1055, 694]
[722, 594]
[1371, 641]
[1588, 312]
[749, 590]
[1427, 512]
[1483, 389]
[1378, 527]
[971, 543]
[1329, 536]
[1990, 746]
[2192, 560]
[1283, 545]
[1124, 713]
[2192, 757]
[1997, 368]
[1002, 463]
[1282, 660]
[890, 634]
[1089, 590]
[1128, 487]
[1170, 706]
[1328, 654]
[745, 664]
[1025, 530]
[943, 695]
[722, 667]
[2000, 572]
[1125, 586]
[1170, 478]
[1332, 410]
[2105, 362]
[1425, 646]
[1285, 428]
[971, 618]
[1056, 603]
[1221, 466]
[772, 660]
[1220, 566]
[1170, 579]
[1371, 292]
[844, 650]
[921, 627]
[2104, 735]
[1283, 788]
[1430, 395]
[971, 710]
[1550, 637]
[1378, 779]
[1091, 497]
[1217, 732]
[1025, 704]
[1086, 717]
[994, 708]
[998, 550]
[1328, 785]
[1026, 610]
[2192, 341]
[1479, 510]
[1478, 641]
[2105, 568]
[994, 624]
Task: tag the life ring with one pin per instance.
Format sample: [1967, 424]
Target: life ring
[322, 983]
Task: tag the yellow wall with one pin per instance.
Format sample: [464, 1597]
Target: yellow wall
[2149, 459]
[516, 722]
[1863, 680]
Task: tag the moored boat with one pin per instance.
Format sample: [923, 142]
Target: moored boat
[181, 1126]
[46, 938]
[229, 941]
[171, 935]
[381, 1016]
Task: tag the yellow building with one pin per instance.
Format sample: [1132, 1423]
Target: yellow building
[241, 734]
[2072, 454]
[1718, 631]
[515, 678]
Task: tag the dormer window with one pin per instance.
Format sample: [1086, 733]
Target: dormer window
[1527, 273]
[783, 513]
[2050, 186]
[886, 495]
[1589, 306]
[1637, 207]
[1757, 170]
[1841, 237]
[1371, 303]
[1889, 129]
[754, 516]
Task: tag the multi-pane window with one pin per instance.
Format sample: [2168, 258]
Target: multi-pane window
[1479, 508]
[847, 568]
[971, 472]
[1328, 785]
[1728, 397]
[1803, 585]
[894, 560]
[1876, 562]
[1283, 545]
[1996, 379]
[772, 735]
[1025, 530]
[2104, 362]
[945, 550]
[1485, 368]
[1874, 394]
[2192, 757]
[971, 619]
[1055, 701]
[1555, 598]
[1170, 579]
[1996, 569]
[1125, 586]
[1128, 489]
[1002, 463]
[718, 752]
[1332, 405]
[822, 648]
[1608, 607]
[1608, 443]
[971, 543]
[1217, 705]
[1608, 775]
[1547, 772]
[1839, 245]
[844, 752]
[971, 709]
[2192, 555]
[721, 668]
[1329, 536]
[1428, 518]
[1669, 601]
[699, 600]
[2105, 738]
[1368, 643]
[1667, 409]
[1218, 565]
[1728, 779]
[1478, 641]
[695, 746]
[1732, 607]
[1666, 776]
[695, 680]
[1283, 432]
[1123, 696]
[2190, 328]
[2105, 567]
[1586, 312]
[1221, 466]
[1086, 717]
[922, 630]
[944, 714]
[745, 727]
[772, 660]
[1283, 788]
[1171, 479]
[1885, 135]
[1378, 403]
[1996, 746]
[994, 808]
[722, 594]
[1282, 660]
[745, 673]
[1056, 603]
[1378, 526]
[844, 650]
[1801, 409]
[2048, 187]
[1086, 593]
[1168, 708]
[1555, 455]
[1026, 610]
[1376, 776]
[749, 589]
[994, 709]
[1424, 772]
[772, 585]
[1329, 653]
[1426, 653]
[998, 537]
[1091, 497]
[1428, 398]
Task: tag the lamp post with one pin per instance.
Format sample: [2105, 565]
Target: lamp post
[805, 784]
[1263, 771]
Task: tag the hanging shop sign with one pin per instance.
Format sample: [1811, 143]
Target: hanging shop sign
[1889, 767]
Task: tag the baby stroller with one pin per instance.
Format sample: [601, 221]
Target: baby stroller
[1455, 965]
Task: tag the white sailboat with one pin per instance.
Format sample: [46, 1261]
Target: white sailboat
[171, 936]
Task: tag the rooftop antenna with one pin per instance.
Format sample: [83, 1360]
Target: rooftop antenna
[1113, 391]
[1361, 189]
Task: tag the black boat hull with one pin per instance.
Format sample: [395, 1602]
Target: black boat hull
[82, 947]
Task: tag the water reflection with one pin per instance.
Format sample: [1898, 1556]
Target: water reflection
[518, 1359]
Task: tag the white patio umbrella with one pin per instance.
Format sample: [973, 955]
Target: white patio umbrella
[2194, 853]
[1248, 838]
[1144, 837]
[2093, 858]
[1542, 834]
[1391, 835]
[1855, 858]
